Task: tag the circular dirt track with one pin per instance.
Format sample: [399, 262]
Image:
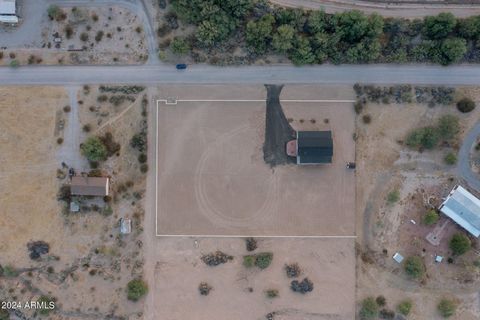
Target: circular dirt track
[233, 186]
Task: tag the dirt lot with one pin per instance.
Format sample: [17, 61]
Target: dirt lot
[383, 165]
[89, 263]
[210, 164]
[239, 293]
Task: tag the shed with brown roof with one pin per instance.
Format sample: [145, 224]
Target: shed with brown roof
[90, 186]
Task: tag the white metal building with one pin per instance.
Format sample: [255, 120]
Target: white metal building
[463, 208]
[8, 11]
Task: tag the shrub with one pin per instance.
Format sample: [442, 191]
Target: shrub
[450, 158]
[67, 109]
[99, 36]
[381, 301]
[110, 144]
[12, 55]
[14, 64]
[431, 217]
[142, 158]
[465, 105]
[10, 271]
[136, 289]
[271, 293]
[369, 309]
[367, 119]
[204, 288]
[446, 308]
[87, 128]
[179, 46]
[302, 287]
[393, 196]
[426, 137]
[144, 168]
[84, 36]
[68, 31]
[263, 260]
[358, 107]
[414, 267]
[387, 314]
[59, 140]
[55, 13]
[47, 305]
[404, 307]
[249, 261]
[448, 126]
[94, 149]
[251, 244]
[216, 258]
[460, 244]
[293, 270]
[139, 141]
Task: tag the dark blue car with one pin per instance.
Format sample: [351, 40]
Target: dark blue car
[181, 66]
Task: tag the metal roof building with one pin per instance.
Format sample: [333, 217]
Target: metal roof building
[8, 11]
[463, 208]
[89, 186]
[314, 147]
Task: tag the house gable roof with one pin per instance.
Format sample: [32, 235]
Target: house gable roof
[314, 147]
[89, 186]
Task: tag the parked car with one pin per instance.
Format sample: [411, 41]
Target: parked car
[181, 66]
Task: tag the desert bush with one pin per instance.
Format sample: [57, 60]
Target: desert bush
[121, 89]
[460, 244]
[414, 267]
[263, 260]
[369, 309]
[67, 109]
[386, 314]
[358, 106]
[64, 193]
[138, 29]
[271, 293]
[110, 144]
[144, 168]
[139, 141]
[404, 307]
[216, 258]
[1, 55]
[381, 301]
[293, 270]
[9, 271]
[68, 31]
[93, 149]
[87, 127]
[12, 55]
[249, 261]
[179, 46]
[204, 288]
[59, 140]
[48, 303]
[446, 308]
[102, 98]
[84, 36]
[55, 13]
[427, 137]
[251, 244]
[136, 289]
[431, 217]
[393, 196]
[465, 105]
[94, 17]
[448, 126]
[14, 64]
[367, 118]
[99, 36]
[302, 287]
[450, 158]
[142, 158]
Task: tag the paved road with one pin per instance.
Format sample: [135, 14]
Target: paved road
[464, 169]
[205, 74]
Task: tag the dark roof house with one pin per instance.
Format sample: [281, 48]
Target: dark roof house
[89, 186]
[314, 147]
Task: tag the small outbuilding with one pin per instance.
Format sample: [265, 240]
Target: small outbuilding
[8, 11]
[312, 147]
[90, 186]
[464, 208]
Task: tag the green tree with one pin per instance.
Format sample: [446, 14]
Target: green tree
[404, 307]
[317, 22]
[427, 138]
[469, 28]
[450, 158]
[446, 308]
[259, 33]
[54, 12]
[440, 26]
[369, 309]
[136, 289]
[352, 25]
[431, 217]
[283, 38]
[302, 52]
[180, 46]
[320, 43]
[94, 149]
[465, 105]
[414, 267]
[451, 51]
[448, 126]
[460, 244]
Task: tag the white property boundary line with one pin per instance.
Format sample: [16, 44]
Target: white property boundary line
[173, 101]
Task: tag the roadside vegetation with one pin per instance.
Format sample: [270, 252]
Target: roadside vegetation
[314, 37]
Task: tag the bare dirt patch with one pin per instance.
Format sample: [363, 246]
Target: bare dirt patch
[239, 292]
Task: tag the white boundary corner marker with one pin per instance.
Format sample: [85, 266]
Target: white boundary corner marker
[174, 101]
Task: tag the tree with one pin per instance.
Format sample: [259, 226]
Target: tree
[414, 267]
[431, 217]
[55, 13]
[180, 46]
[450, 158]
[469, 28]
[93, 149]
[302, 52]
[465, 105]
[369, 309]
[136, 289]
[426, 137]
[452, 50]
[263, 260]
[208, 33]
[283, 38]
[320, 44]
[448, 127]
[440, 26]
[259, 33]
[317, 22]
[446, 308]
[460, 244]
[404, 307]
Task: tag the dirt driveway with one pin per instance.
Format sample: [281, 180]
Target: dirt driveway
[212, 179]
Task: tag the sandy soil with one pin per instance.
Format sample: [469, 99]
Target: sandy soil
[329, 263]
[212, 165]
[383, 165]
